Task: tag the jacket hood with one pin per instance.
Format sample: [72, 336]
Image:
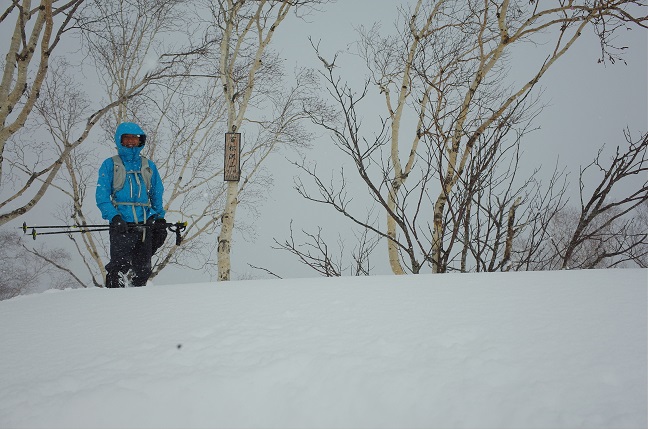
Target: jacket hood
[129, 153]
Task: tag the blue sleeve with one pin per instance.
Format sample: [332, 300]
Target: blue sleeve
[104, 191]
[156, 192]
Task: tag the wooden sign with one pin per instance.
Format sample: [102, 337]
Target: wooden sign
[232, 157]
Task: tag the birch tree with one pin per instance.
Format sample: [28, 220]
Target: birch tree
[242, 31]
[37, 30]
[34, 165]
[443, 81]
[482, 217]
[132, 59]
[184, 112]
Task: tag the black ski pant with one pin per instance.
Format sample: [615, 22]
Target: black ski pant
[131, 250]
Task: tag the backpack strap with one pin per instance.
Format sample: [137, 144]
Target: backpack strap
[146, 172]
[119, 174]
[119, 179]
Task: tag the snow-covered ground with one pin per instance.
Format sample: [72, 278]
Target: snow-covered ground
[507, 350]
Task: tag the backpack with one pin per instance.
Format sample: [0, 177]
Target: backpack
[119, 178]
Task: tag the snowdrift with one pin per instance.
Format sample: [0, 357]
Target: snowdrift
[508, 350]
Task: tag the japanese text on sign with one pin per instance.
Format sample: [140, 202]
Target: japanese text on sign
[232, 157]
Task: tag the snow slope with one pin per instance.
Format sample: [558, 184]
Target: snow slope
[505, 350]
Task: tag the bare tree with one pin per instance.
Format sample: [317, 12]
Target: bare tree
[316, 254]
[449, 107]
[34, 165]
[612, 234]
[133, 60]
[242, 31]
[541, 209]
[37, 31]
[184, 111]
[639, 254]
[606, 229]
[23, 270]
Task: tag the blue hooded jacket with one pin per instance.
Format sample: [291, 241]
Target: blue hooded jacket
[132, 192]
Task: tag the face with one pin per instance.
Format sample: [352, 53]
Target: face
[130, 140]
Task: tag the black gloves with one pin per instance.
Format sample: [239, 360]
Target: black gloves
[159, 233]
[159, 223]
[118, 225]
[157, 228]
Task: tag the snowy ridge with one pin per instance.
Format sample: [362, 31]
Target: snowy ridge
[508, 350]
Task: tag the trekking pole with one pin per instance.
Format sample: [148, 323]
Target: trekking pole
[177, 227]
[34, 233]
[25, 227]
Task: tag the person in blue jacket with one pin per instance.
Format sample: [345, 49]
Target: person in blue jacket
[129, 195]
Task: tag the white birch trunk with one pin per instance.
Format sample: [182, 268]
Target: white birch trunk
[400, 174]
[227, 228]
[255, 27]
[457, 158]
[12, 87]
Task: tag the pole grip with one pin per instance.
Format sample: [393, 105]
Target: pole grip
[178, 227]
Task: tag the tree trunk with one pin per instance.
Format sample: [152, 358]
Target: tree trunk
[392, 246]
[227, 228]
